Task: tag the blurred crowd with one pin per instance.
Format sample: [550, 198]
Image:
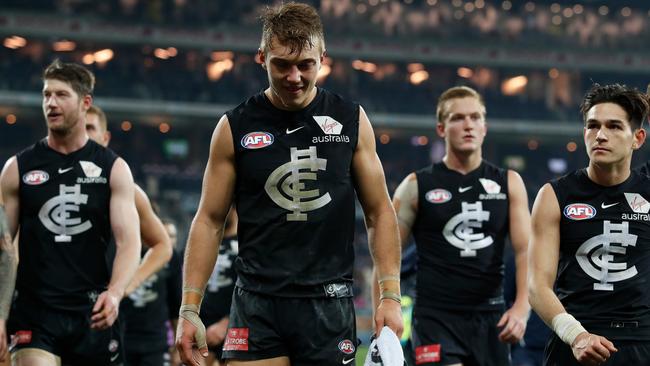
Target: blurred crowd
[538, 22]
[381, 86]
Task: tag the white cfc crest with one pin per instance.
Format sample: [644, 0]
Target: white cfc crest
[287, 181]
[459, 230]
[145, 293]
[595, 256]
[55, 213]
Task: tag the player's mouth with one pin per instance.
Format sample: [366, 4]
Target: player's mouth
[599, 149]
[53, 115]
[293, 89]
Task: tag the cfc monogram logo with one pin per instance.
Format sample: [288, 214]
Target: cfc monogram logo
[459, 230]
[287, 181]
[55, 213]
[595, 256]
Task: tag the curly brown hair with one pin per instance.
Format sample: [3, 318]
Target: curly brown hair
[297, 26]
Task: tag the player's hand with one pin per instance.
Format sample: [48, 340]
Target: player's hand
[3, 340]
[389, 313]
[591, 349]
[105, 310]
[190, 339]
[175, 358]
[216, 333]
[513, 324]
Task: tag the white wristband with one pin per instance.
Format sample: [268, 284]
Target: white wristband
[567, 327]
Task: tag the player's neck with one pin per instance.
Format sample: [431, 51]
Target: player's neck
[462, 163]
[608, 175]
[67, 143]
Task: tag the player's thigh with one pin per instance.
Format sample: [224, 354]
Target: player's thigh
[34, 357]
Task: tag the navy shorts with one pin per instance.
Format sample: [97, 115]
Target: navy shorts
[66, 334]
[558, 353]
[309, 331]
[446, 337]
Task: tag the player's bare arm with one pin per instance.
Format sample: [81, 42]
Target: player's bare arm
[126, 230]
[514, 320]
[154, 236]
[405, 201]
[544, 253]
[381, 223]
[8, 251]
[206, 230]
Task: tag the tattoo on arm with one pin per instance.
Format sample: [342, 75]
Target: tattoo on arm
[8, 266]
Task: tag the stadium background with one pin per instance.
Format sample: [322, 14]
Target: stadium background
[167, 69]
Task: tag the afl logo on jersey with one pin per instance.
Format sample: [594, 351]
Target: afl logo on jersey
[346, 346]
[438, 196]
[579, 211]
[257, 140]
[35, 177]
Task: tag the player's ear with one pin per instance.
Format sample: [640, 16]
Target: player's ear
[639, 138]
[440, 129]
[261, 57]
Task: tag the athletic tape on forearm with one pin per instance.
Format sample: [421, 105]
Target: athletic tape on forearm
[383, 279]
[391, 295]
[190, 312]
[194, 290]
[567, 327]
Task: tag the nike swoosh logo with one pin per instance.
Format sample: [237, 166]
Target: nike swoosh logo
[289, 132]
[604, 206]
[113, 358]
[345, 362]
[464, 189]
[61, 171]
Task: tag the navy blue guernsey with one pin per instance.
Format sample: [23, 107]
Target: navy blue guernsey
[218, 292]
[460, 235]
[604, 264]
[295, 195]
[145, 311]
[65, 226]
[644, 169]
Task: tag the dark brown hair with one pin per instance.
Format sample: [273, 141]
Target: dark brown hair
[81, 80]
[634, 102]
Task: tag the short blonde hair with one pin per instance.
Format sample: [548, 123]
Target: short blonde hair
[456, 92]
[103, 122]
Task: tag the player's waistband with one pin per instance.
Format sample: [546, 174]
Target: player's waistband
[621, 329]
[334, 289]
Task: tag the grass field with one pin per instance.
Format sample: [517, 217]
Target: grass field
[361, 355]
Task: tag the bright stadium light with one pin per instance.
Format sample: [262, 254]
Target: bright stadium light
[514, 85]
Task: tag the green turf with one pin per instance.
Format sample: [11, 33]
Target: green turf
[361, 355]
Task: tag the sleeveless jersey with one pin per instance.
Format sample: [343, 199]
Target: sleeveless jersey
[145, 311]
[218, 292]
[295, 196]
[643, 169]
[604, 265]
[460, 234]
[64, 222]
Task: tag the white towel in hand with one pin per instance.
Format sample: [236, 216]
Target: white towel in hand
[385, 350]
